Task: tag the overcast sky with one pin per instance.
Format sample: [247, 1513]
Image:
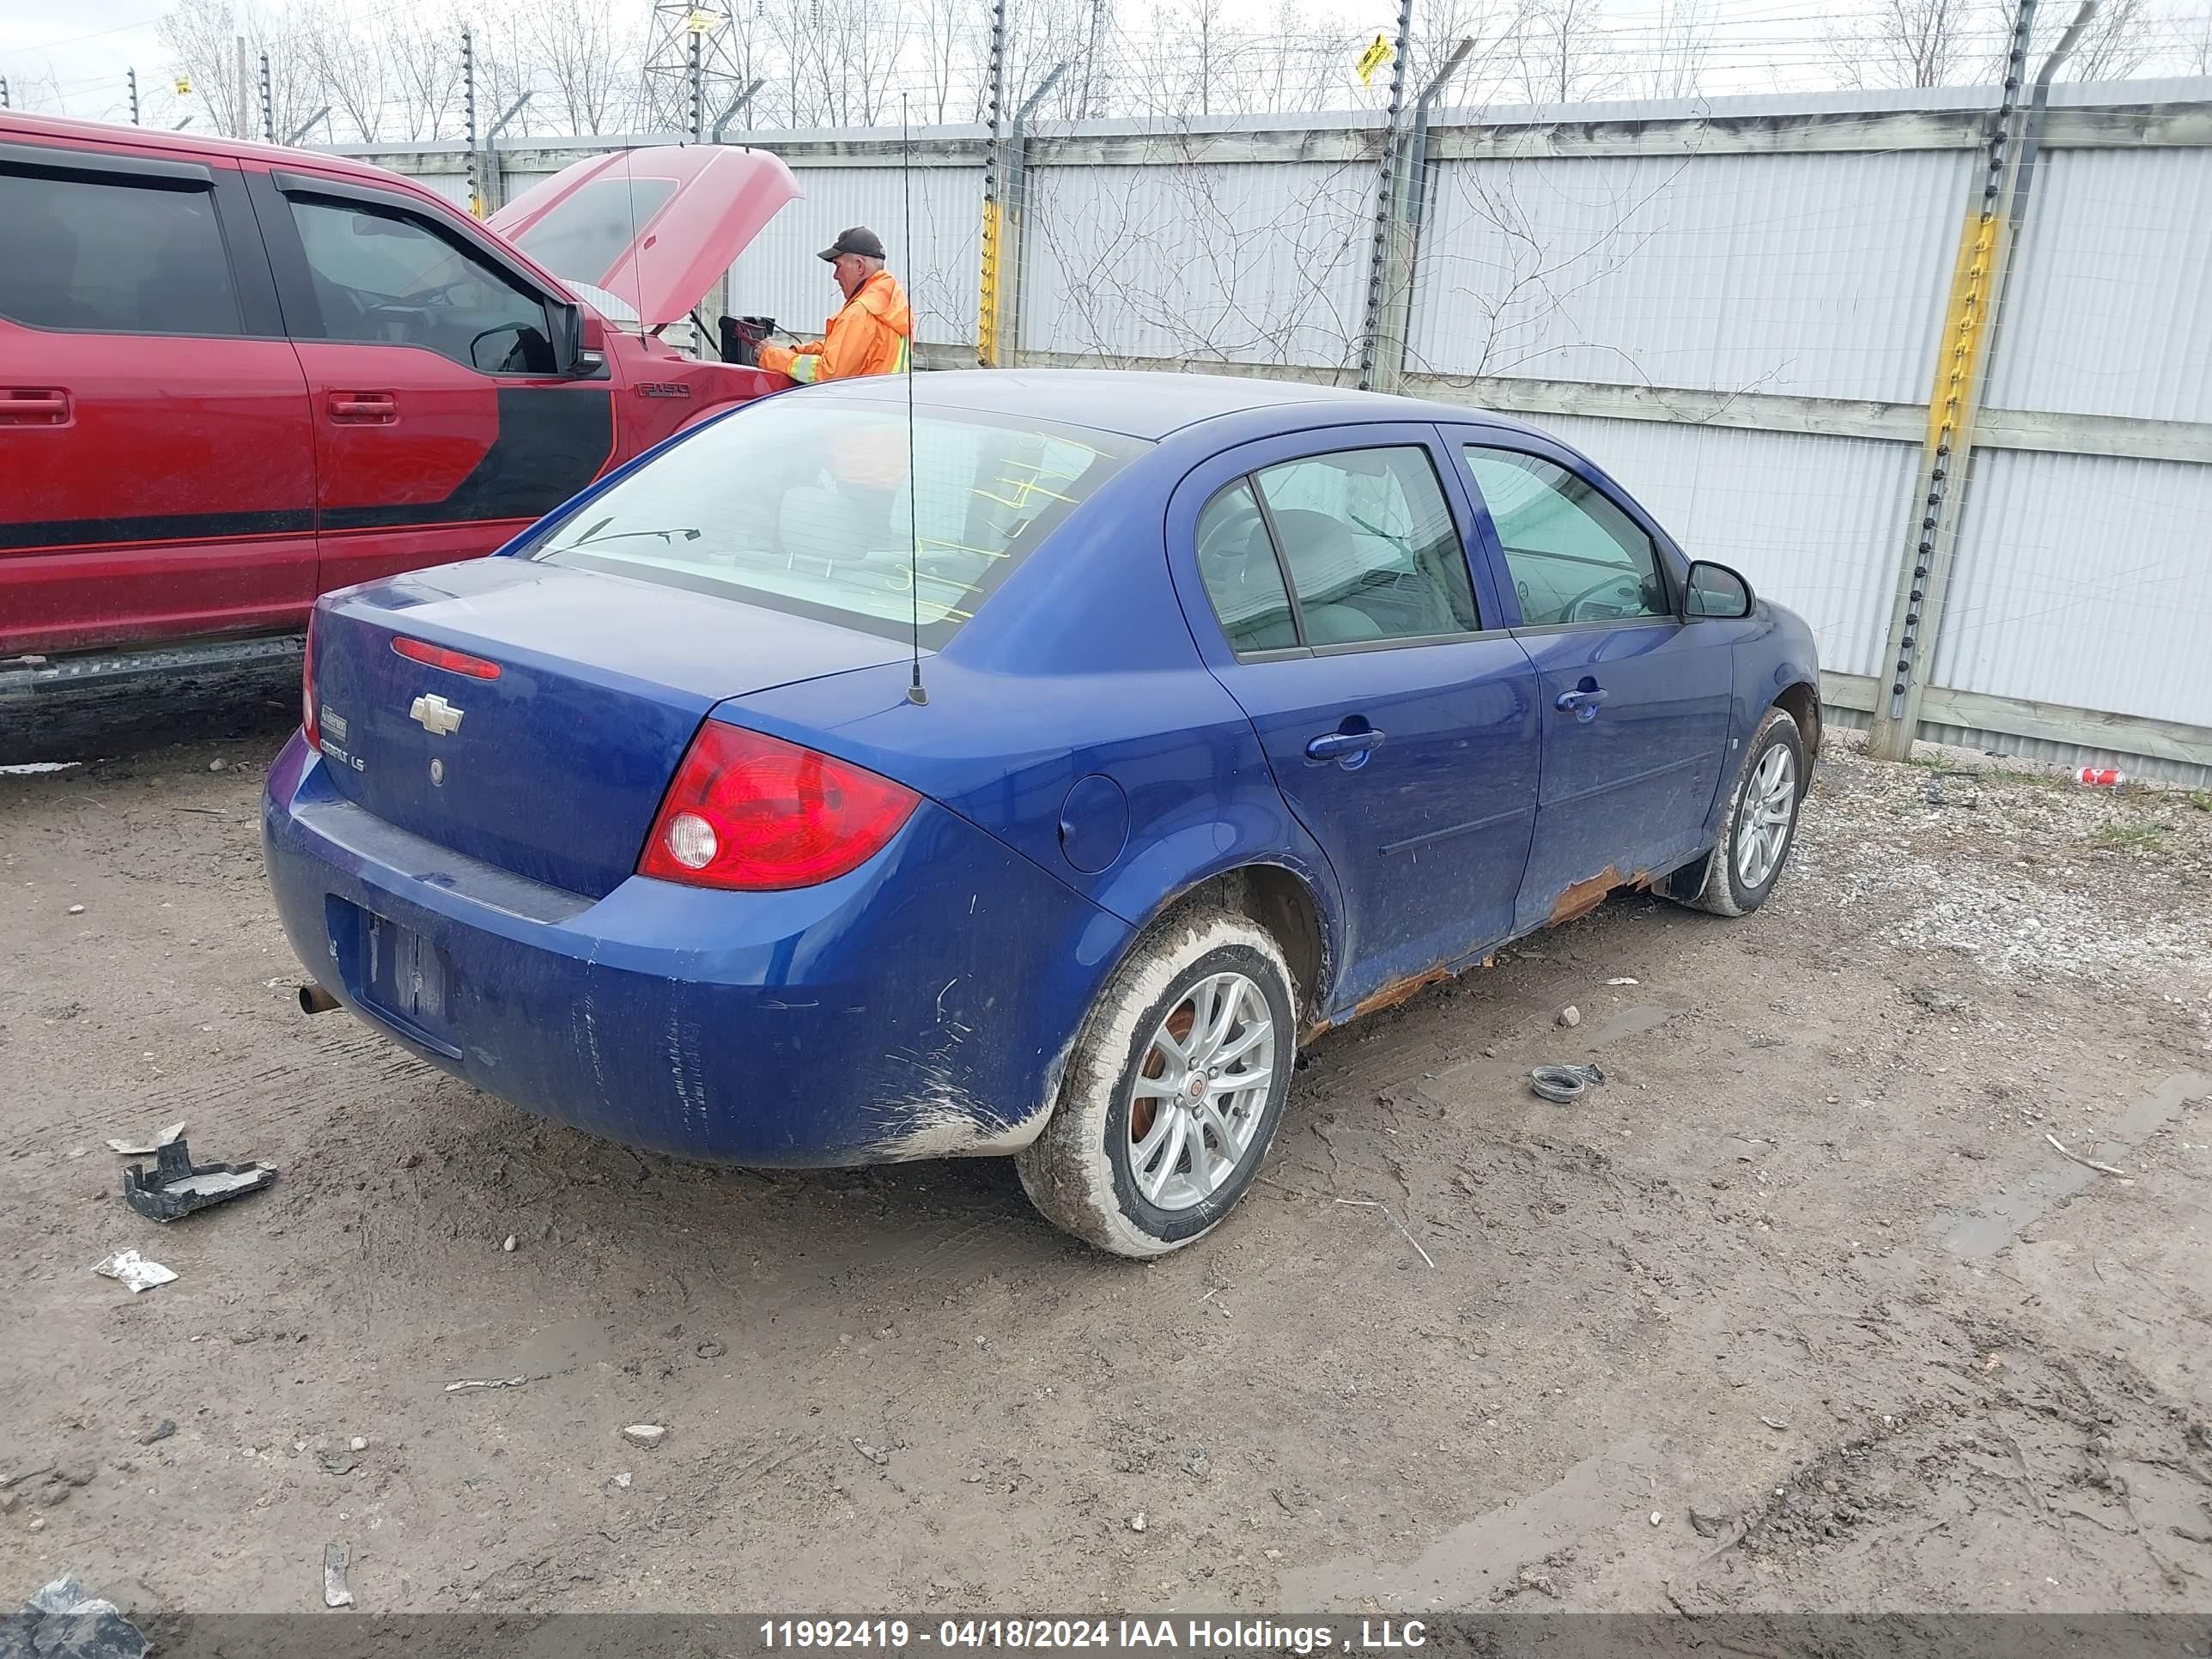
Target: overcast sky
[1753, 44]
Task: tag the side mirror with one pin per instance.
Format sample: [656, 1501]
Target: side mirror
[573, 352]
[1715, 592]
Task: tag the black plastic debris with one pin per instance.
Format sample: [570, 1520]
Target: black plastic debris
[178, 1186]
[61, 1621]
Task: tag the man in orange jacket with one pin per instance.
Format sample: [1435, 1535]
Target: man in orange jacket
[872, 335]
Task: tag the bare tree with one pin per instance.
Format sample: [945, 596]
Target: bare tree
[1681, 48]
[2117, 42]
[426, 73]
[201, 37]
[1909, 43]
[951, 39]
[1561, 53]
[38, 92]
[587, 65]
[349, 67]
[504, 72]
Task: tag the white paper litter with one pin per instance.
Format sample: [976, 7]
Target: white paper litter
[24, 768]
[151, 1145]
[129, 1268]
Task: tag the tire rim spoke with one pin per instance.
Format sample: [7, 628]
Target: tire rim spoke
[1184, 1146]
[1763, 821]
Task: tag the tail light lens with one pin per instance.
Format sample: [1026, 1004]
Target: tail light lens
[310, 727]
[757, 814]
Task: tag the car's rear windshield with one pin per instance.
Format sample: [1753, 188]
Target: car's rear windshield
[802, 505]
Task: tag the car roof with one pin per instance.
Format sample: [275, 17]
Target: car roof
[1147, 403]
[16, 123]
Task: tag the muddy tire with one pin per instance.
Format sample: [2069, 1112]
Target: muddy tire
[1760, 829]
[1173, 1090]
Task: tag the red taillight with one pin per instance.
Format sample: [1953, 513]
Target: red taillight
[458, 662]
[754, 812]
[309, 725]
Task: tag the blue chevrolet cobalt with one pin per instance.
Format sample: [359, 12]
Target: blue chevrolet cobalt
[1030, 774]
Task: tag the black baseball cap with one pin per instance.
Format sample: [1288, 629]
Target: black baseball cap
[858, 239]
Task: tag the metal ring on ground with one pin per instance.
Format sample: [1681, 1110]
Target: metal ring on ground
[1564, 1083]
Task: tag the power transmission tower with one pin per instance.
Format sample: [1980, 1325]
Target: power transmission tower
[132, 76]
[690, 64]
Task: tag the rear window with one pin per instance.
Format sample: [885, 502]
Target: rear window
[804, 507]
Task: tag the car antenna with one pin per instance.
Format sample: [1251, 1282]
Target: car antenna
[914, 694]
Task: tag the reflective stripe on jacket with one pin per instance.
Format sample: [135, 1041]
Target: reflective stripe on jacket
[869, 336]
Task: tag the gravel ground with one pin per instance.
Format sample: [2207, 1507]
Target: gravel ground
[1802, 1310]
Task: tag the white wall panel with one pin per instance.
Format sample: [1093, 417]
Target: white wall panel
[1817, 274]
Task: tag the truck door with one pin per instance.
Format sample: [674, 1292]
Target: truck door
[158, 461]
[441, 427]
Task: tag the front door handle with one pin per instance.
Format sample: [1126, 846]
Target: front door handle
[1351, 747]
[33, 405]
[364, 407]
[1582, 704]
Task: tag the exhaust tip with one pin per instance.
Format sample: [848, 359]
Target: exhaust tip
[314, 999]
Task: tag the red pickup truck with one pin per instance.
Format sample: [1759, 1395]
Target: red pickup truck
[234, 376]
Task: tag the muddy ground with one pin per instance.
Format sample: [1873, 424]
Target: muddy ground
[1801, 1310]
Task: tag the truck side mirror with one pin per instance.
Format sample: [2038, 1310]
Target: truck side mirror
[576, 353]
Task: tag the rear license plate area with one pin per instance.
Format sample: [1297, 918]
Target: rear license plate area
[393, 971]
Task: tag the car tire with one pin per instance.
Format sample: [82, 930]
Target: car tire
[1735, 879]
[1141, 1174]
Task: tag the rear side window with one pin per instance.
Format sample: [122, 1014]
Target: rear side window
[384, 279]
[113, 258]
[1574, 554]
[1369, 545]
[1237, 563]
[805, 506]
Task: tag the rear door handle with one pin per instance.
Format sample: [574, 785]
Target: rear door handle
[1582, 704]
[1342, 745]
[33, 405]
[364, 408]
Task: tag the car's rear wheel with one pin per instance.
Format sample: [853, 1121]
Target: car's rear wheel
[1761, 825]
[1173, 1089]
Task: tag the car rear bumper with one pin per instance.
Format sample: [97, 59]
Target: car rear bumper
[921, 1007]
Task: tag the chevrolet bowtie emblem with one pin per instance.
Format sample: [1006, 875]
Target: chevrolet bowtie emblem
[435, 715]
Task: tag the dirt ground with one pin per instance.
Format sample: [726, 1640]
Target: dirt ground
[1802, 1310]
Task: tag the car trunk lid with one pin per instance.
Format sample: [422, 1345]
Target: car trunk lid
[553, 769]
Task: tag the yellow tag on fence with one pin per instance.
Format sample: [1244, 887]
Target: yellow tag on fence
[1378, 53]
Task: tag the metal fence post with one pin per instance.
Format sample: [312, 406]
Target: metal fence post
[1387, 210]
[1392, 326]
[991, 284]
[469, 120]
[1954, 401]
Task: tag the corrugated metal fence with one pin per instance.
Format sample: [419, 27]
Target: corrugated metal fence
[1734, 306]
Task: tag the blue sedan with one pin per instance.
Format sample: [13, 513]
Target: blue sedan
[1031, 774]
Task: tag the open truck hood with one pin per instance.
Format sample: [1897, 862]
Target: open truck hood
[653, 228]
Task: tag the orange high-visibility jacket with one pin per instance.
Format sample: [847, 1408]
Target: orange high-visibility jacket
[869, 336]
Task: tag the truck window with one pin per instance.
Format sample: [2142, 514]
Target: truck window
[383, 278]
[113, 258]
